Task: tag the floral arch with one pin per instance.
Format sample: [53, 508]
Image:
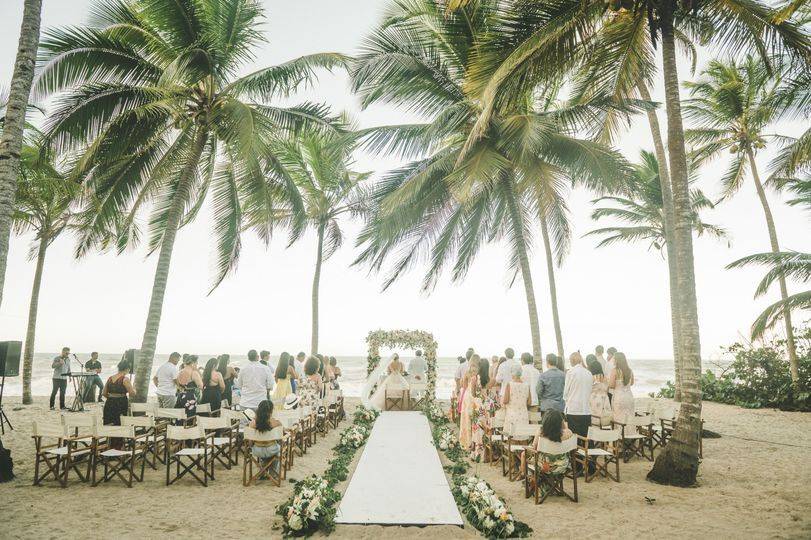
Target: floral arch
[407, 339]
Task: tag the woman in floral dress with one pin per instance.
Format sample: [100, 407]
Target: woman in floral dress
[470, 384]
[309, 389]
[598, 402]
[621, 380]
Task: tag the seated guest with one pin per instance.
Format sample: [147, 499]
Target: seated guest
[554, 428]
[285, 375]
[93, 366]
[550, 386]
[253, 382]
[599, 404]
[214, 385]
[116, 392]
[620, 381]
[530, 375]
[191, 383]
[264, 422]
[576, 395]
[516, 400]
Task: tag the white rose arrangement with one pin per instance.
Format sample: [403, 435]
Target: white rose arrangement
[485, 510]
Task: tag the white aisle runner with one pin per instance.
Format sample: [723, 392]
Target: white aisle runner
[399, 479]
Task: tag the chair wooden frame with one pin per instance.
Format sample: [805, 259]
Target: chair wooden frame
[169, 416]
[511, 456]
[236, 419]
[176, 450]
[495, 437]
[143, 409]
[264, 466]
[637, 437]
[147, 430]
[51, 455]
[396, 399]
[223, 444]
[600, 444]
[117, 462]
[417, 393]
[535, 477]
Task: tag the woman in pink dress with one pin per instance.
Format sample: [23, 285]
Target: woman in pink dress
[470, 391]
[621, 380]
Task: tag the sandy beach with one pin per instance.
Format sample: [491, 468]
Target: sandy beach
[746, 488]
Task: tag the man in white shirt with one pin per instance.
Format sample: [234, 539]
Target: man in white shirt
[505, 369]
[461, 371]
[299, 364]
[254, 382]
[598, 352]
[577, 394]
[417, 368]
[164, 380]
[607, 372]
[529, 375]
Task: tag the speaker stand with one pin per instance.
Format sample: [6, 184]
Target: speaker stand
[3, 418]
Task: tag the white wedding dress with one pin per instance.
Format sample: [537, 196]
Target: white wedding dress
[394, 379]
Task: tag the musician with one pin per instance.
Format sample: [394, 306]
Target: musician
[93, 366]
[59, 379]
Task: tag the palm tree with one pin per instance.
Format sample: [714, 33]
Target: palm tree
[733, 105]
[149, 93]
[643, 210]
[43, 206]
[320, 166]
[11, 139]
[437, 208]
[541, 39]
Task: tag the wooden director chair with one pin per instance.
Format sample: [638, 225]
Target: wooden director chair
[543, 483]
[189, 444]
[116, 461]
[272, 468]
[602, 448]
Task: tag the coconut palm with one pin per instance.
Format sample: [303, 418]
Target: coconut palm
[320, 167]
[11, 139]
[436, 208]
[732, 106]
[42, 206]
[643, 210]
[149, 93]
[541, 39]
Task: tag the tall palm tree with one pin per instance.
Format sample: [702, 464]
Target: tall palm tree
[320, 166]
[438, 209]
[541, 39]
[11, 139]
[732, 106]
[643, 210]
[43, 206]
[149, 92]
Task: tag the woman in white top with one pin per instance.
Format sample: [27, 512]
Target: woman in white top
[516, 400]
[621, 380]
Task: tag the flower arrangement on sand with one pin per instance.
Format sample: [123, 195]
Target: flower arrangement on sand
[485, 510]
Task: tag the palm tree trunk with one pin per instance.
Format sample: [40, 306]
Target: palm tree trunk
[677, 464]
[143, 368]
[668, 217]
[794, 366]
[33, 306]
[12, 138]
[553, 291]
[526, 274]
[316, 281]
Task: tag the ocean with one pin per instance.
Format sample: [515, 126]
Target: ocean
[650, 374]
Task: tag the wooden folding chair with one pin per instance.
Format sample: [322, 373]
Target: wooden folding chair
[117, 462]
[50, 451]
[146, 430]
[79, 427]
[636, 437]
[601, 444]
[396, 399]
[187, 444]
[274, 467]
[333, 408]
[644, 406]
[308, 425]
[223, 443]
[535, 417]
[143, 409]
[494, 438]
[173, 416]
[543, 483]
[417, 393]
[203, 409]
[668, 426]
[515, 444]
[237, 420]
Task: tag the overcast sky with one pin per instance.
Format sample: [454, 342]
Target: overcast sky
[614, 296]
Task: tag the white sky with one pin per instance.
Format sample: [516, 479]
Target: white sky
[614, 296]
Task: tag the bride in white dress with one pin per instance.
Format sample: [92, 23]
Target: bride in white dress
[394, 379]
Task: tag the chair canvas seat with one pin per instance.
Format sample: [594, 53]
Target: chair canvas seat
[595, 452]
[219, 441]
[63, 451]
[115, 452]
[634, 436]
[190, 452]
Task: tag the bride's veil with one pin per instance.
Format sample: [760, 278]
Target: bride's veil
[373, 379]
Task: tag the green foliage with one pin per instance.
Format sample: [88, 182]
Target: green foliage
[759, 377]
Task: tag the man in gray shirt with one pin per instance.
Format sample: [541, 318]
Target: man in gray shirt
[59, 379]
[550, 386]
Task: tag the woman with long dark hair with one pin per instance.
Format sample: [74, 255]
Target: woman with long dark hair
[190, 382]
[264, 422]
[116, 392]
[214, 385]
[621, 380]
[285, 375]
[598, 402]
[228, 376]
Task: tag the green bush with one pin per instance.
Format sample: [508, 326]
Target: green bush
[759, 377]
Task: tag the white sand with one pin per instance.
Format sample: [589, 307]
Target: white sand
[747, 490]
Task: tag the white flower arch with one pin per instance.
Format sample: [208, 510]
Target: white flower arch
[407, 339]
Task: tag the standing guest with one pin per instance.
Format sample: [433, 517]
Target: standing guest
[470, 387]
[253, 382]
[214, 385]
[473, 360]
[610, 368]
[285, 375]
[505, 370]
[530, 375]
[484, 373]
[116, 392]
[165, 382]
[299, 365]
[550, 386]
[516, 400]
[59, 378]
[328, 375]
[264, 422]
[577, 394]
[228, 375]
[93, 366]
[264, 359]
[335, 370]
[417, 367]
[598, 354]
[309, 390]
[494, 363]
[464, 364]
[621, 380]
[191, 384]
[599, 404]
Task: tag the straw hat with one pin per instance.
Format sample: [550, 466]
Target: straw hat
[291, 402]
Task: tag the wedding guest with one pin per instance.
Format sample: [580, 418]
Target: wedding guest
[116, 393]
[299, 365]
[59, 378]
[494, 363]
[253, 382]
[285, 375]
[191, 383]
[473, 360]
[484, 373]
[164, 381]
[577, 394]
[550, 386]
[470, 386]
[554, 428]
[92, 366]
[417, 367]
[516, 400]
[530, 375]
[621, 380]
[214, 385]
[335, 370]
[329, 374]
[462, 369]
[229, 375]
[609, 369]
[264, 359]
[598, 353]
[264, 422]
[599, 404]
[309, 388]
[506, 368]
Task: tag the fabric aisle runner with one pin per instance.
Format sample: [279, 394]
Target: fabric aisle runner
[399, 479]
